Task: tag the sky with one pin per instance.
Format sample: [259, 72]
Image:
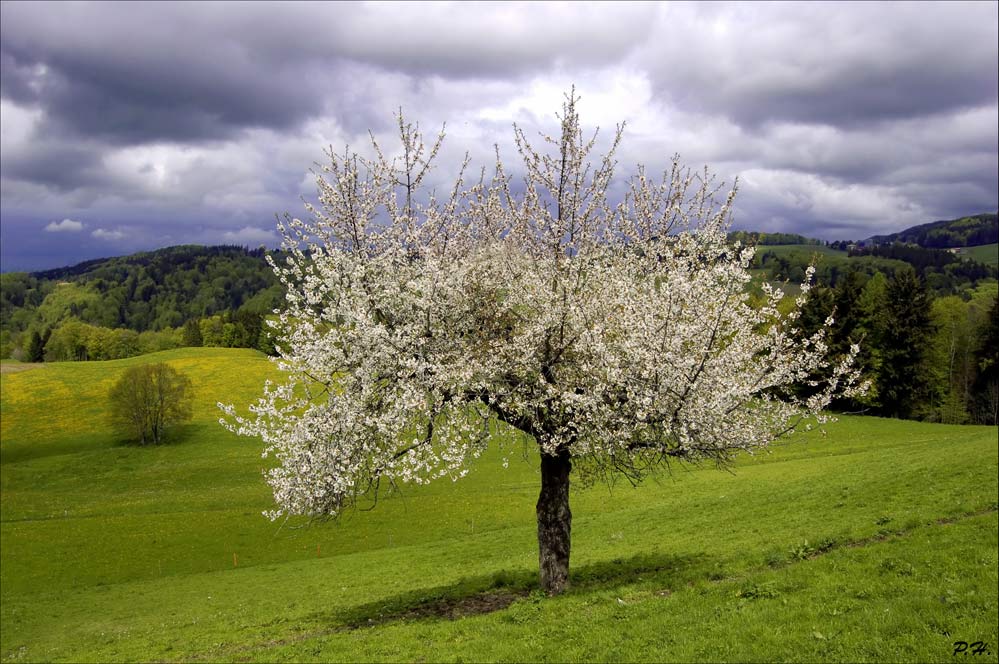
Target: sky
[132, 126]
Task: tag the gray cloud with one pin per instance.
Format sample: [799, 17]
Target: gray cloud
[162, 123]
[843, 64]
[65, 166]
[199, 71]
[185, 92]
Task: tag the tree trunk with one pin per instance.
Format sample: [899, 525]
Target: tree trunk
[554, 522]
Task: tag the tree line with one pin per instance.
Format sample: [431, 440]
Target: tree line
[928, 358]
[922, 316]
[925, 320]
[73, 340]
[758, 238]
[943, 272]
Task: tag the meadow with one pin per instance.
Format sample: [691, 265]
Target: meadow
[814, 250]
[983, 253]
[868, 540]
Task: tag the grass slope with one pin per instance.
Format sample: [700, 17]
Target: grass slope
[984, 253]
[875, 542]
[808, 249]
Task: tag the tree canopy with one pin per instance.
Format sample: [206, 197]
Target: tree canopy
[618, 335]
[147, 399]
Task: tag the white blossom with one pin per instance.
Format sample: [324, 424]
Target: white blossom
[620, 331]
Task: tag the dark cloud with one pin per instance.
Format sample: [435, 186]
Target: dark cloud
[64, 167]
[842, 64]
[163, 123]
[184, 92]
[16, 79]
[132, 72]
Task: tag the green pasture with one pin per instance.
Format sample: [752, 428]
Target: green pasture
[871, 540]
[984, 253]
[807, 249]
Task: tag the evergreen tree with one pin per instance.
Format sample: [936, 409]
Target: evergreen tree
[846, 296]
[35, 352]
[904, 335]
[192, 333]
[849, 328]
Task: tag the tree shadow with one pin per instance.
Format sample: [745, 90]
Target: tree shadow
[493, 592]
[175, 434]
[178, 434]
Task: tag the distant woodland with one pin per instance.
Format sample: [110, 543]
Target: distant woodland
[922, 303]
[118, 307]
[965, 232]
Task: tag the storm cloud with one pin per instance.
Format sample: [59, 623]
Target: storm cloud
[162, 123]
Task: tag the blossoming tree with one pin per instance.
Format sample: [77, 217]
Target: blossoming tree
[618, 335]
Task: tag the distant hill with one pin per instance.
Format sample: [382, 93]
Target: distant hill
[964, 232]
[951, 256]
[211, 291]
[147, 291]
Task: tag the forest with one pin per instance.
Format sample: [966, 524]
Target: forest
[970, 231]
[118, 307]
[926, 318]
[928, 357]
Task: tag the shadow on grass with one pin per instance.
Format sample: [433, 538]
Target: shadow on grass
[175, 434]
[487, 593]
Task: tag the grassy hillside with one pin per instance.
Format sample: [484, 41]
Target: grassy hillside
[795, 249]
[985, 253]
[876, 540]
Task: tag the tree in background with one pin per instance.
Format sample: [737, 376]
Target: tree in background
[950, 360]
[955, 354]
[903, 330]
[987, 359]
[147, 399]
[618, 337]
[211, 330]
[844, 302]
[192, 333]
[68, 342]
[35, 350]
[869, 309]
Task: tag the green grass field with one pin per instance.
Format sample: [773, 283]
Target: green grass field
[808, 249]
[874, 542]
[985, 253]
